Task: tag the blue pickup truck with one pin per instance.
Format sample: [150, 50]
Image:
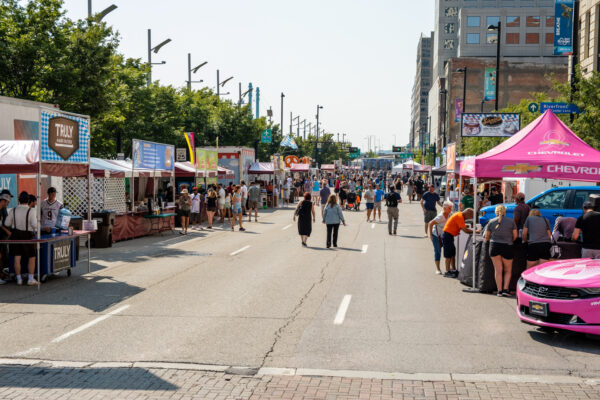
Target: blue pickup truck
[553, 203]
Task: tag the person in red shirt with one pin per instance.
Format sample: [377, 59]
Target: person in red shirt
[454, 225]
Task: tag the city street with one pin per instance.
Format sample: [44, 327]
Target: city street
[259, 304]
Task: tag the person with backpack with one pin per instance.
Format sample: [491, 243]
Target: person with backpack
[391, 201]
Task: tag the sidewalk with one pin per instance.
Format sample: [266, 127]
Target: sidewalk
[65, 380]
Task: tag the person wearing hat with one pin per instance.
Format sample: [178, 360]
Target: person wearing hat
[588, 225]
[196, 209]
[185, 204]
[50, 208]
[23, 222]
[5, 197]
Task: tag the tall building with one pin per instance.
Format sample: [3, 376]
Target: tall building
[420, 91]
[589, 36]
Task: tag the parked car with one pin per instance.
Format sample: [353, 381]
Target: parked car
[553, 203]
[561, 295]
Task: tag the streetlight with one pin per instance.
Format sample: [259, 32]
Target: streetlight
[102, 13]
[444, 92]
[317, 142]
[154, 49]
[281, 125]
[498, 40]
[221, 84]
[464, 71]
[193, 70]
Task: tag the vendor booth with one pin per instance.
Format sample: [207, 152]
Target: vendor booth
[546, 148]
[62, 150]
[264, 171]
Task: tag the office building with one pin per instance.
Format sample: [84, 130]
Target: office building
[420, 91]
[589, 36]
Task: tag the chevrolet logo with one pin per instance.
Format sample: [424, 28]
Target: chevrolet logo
[537, 307]
[555, 142]
[521, 168]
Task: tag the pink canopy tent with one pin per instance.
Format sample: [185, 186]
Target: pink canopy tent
[546, 148]
[225, 173]
[261, 168]
[186, 169]
[299, 168]
[327, 167]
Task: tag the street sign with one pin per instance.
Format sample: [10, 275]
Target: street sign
[181, 154]
[560, 108]
[318, 145]
[406, 155]
[533, 107]
[396, 149]
[266, 136]
[354, 150]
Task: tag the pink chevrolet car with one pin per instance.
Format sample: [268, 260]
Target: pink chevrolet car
[561, 295]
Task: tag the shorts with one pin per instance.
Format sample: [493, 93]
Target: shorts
[502, 249]
[221, 205]
[195, 216]
[448, 245]
[20, 249]
[253, 204]
[538, 251]
[430, 215]
[315, 194]
[211, 208]
[184, 213]
[378, 205]
[370, 206]
[236, 210]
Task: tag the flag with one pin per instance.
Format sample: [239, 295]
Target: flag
[289, 141]
[189, 138]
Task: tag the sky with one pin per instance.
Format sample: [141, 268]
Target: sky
[356, 58]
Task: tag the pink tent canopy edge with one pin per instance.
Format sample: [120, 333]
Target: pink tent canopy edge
[299, 168]
[546, 148]
[22, 156]
[328, 167]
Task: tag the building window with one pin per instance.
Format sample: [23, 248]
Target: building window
[449, 28]
[549, 22]
[492, 38]
[532, 38]
[513, 22]
[472, 38]
[586, 43]
[492, 21]
[451, 12]
[449, 44]
[533, 22]
[512, 38]
[473, 22]
[550, 38]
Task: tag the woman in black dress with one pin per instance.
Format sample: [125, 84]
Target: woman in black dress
[304, 210]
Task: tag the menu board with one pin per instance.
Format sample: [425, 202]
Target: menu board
[149, 155]
[492, 124]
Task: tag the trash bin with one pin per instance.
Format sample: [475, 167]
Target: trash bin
[102, 238]
[77, 225]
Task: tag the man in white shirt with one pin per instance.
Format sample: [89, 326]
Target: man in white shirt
[50, 208]
[244, 197]
[196, 209]
[22, 219]
[221, 202]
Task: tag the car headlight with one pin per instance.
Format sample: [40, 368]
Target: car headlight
[521, 284]
[592, 291]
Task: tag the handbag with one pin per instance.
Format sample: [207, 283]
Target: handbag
[555, 250]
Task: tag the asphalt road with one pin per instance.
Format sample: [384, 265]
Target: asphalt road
[259, 299]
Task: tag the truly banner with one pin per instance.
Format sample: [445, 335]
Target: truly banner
[458, 108]
[189, 138]
[563, 27]
[150, 155]
[64, 137]
[489, 85]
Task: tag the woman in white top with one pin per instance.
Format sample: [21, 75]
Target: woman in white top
[436, 227]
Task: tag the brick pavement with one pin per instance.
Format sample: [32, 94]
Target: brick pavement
[59, 383]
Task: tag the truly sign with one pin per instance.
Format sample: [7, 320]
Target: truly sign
[63, 136]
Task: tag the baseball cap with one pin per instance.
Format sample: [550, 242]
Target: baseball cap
[194, 188]
[5, 197]
[587, 205]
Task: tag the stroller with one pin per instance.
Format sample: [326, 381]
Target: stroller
[351, 201]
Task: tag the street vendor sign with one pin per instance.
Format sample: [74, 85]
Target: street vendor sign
[490, 124]
[150, 155]
[64, 137]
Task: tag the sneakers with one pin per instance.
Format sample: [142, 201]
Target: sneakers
[499, 294]
[394, 232]
[438, 272]
[505, 293]
[19, 281]
[242, 229]
[32, 282]
[2, 281]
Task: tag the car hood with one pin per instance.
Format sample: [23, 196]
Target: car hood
[581, 273]
[491, 209]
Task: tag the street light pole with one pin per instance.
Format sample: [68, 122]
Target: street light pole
[464, 71]
[317, 142]
[194, 70]
[218, 85]
[498, 42]
[154, 49]
[281, 125]
[89, 8]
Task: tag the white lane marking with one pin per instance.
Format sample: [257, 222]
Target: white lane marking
[372, 226]
[341, 313]
[28, 352]
[286, 227]
[240, 250]
[89, 324]
[364, 248]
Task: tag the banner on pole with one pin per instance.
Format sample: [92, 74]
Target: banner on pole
[489, 85]
[563, 27]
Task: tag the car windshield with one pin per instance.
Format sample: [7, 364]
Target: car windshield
[554, 199]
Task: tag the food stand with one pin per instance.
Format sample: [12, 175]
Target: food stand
[546, 148]
[62, 149]
[266, 169]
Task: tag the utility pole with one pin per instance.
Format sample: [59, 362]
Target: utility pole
[218, 86]
[250, 97]
[89, 8]
[298, 126]
[149, 53]
[240, 95]
[189, 82]
[257, 103]
[291, 122]
[281, 125]
[304, 129]
[317, 142]
[497, 66]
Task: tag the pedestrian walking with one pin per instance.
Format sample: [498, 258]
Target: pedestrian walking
[324, 193]
[316, 191]
[332, 217]
[24, 224]
[410, 189]
[244, 191]
[253, 199]
[454, 225]
[236, 208]
[436, 227]
[185, 204]
[196, 209]
[304, 211]
[501, 232]
[538, 236]
[221, 201]
[391, 201]
[379, 195]
[428, 204]
[370, 201]
[211, 206]
[588, 225]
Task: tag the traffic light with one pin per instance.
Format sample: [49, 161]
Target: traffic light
[396, 149]
[353, 150]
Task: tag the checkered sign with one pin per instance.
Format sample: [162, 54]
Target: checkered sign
[81, 155]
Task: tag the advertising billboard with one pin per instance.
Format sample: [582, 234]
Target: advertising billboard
[490, 124]
[150, 155]
[563, 27]
[489, 84]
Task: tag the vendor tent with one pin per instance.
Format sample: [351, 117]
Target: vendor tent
[23, 156]
[103, 168]
[225, 173]
[261, 168]
[300, 168]
[186, 169]
[440, 171]
[546, 148]
[328, 167]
